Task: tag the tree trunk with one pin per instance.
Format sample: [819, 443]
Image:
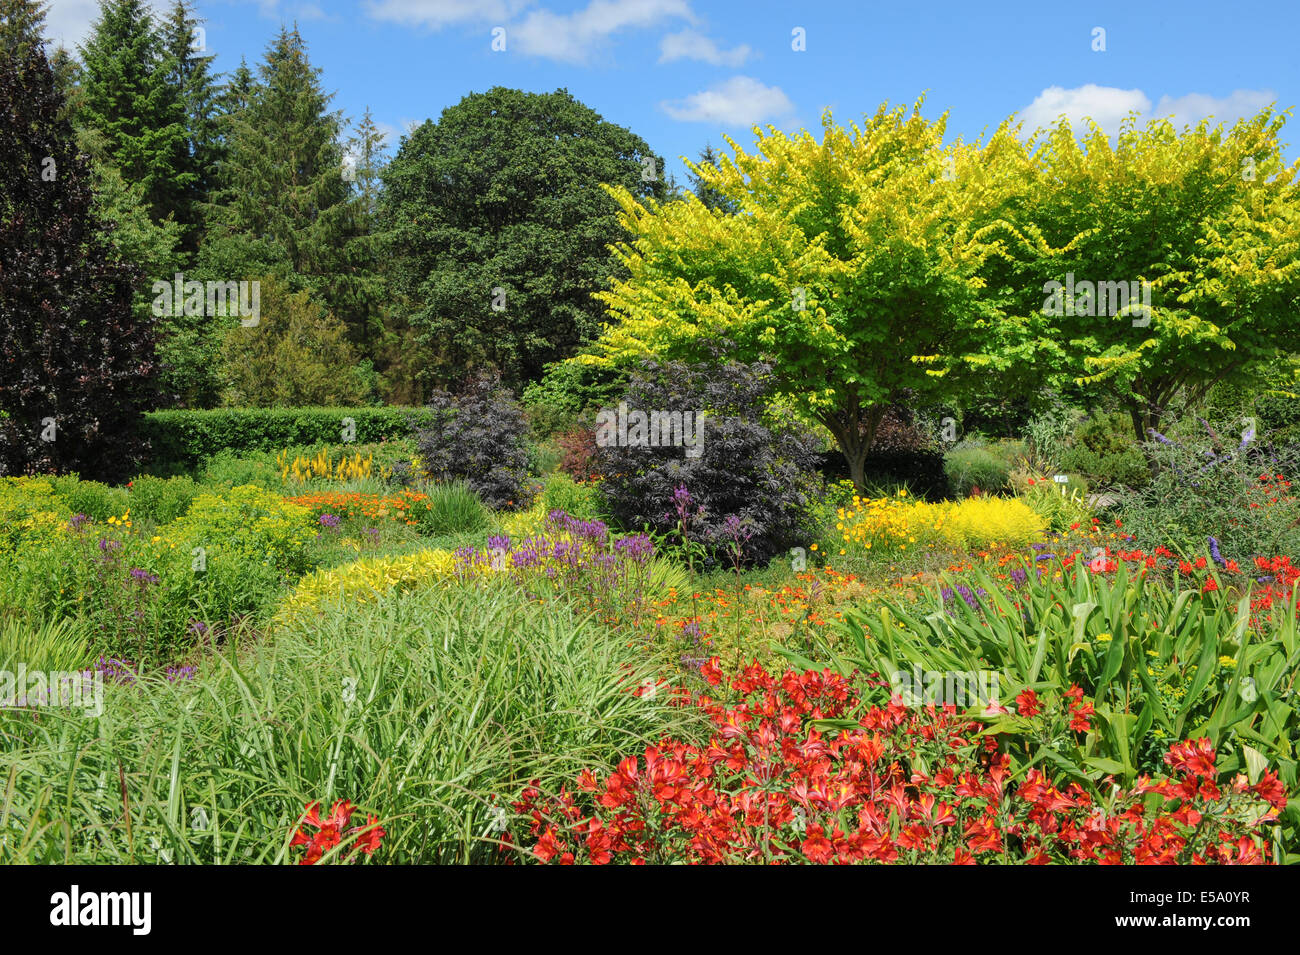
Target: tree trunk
[854, 429]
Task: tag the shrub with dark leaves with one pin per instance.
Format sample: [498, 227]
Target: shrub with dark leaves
[754, 483]
[478, 436]
[578, 450]
[76, 361]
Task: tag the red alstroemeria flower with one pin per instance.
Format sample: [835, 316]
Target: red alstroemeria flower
[1027, 703]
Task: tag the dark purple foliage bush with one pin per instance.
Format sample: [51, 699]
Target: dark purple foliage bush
[755, 479]
[479, 436]
[76, 361]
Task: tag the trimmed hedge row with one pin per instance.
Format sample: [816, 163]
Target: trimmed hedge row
[187, 438]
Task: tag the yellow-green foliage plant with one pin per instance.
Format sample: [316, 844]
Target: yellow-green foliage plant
[29, 511]
[981, 522]
[254, 523]
[855, 266]
[364, 581]
[901, 523]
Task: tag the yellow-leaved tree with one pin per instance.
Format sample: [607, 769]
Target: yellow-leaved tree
[855, 265]
[1180, 259]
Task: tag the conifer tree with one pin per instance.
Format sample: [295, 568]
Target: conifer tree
[359, 288]
[707, 192]
[283, 185]
[188, 72]
[139, 117]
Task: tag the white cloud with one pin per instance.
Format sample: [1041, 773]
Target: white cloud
[574, 37]
[691, 45]
[1105, 104]
[1109, 105]
[1191, 109]
[740, 101]
[440, 13]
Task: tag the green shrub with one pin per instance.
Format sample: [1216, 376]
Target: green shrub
[431, 709]
[231, 469]
[563, 493]
[1202, 489]
[95, 500]
[161, 500]
[258, 526]
[544, 457]
[976, 467]
[1265, 403]
[1104, 451]
[566, 389]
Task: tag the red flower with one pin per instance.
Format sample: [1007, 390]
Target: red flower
[817, 847]
[1194, 756]
[330, 831]
[548, 846]
[770, 785]
[1027, 703]
[1271, 789]
[370, 836]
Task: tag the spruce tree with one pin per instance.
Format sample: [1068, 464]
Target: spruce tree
[282, 180]
[76, 361]
[22, 25]
[233, 98]
[359, 288]
[188, 73]
[140, 118]
[283, 209]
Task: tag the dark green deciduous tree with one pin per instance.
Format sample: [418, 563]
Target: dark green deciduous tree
[500, 229]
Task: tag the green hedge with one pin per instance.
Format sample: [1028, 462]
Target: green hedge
[184, 439]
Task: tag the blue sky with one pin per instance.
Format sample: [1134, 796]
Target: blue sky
[681, 73]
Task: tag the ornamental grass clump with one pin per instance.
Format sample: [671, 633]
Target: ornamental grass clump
[428, 709]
